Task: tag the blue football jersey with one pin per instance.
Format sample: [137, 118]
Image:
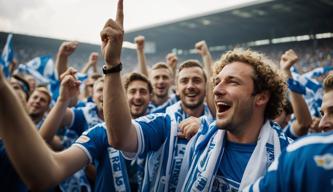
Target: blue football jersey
[306, 165]
[109, 162]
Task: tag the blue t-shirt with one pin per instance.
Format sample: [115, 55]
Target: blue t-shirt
[9, 179]
[232, 166]
[83, 119]
[110, 165]
[306, 165]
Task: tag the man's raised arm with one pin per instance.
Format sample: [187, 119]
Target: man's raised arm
[300, 108]
[140, 44]
[35, 162]
[121, 133]
[65, 50]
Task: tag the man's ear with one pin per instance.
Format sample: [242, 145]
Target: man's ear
[262, 98]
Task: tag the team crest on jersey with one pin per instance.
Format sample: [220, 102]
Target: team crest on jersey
[325, 161]
[83, 139]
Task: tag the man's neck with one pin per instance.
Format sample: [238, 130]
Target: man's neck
[246, 134]
[159, 100]
[196, 112]
[36, 118]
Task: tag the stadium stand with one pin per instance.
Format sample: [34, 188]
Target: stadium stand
[268, 26]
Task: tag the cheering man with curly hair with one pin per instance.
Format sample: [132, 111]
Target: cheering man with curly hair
[238, 147]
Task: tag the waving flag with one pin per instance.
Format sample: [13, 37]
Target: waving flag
[7, 55]
[42, 68]
[43, 65]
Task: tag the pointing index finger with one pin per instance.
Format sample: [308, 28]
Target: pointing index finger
[120, 13]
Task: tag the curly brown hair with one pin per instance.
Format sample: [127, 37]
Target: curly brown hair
[328, 83]
[266, 77]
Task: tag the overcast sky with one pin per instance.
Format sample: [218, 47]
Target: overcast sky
[82, 20]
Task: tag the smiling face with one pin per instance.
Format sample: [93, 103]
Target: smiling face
[138, 96]
[233, 95]
[98, 94]
[161, 81]
[191, 87]
[38, 103]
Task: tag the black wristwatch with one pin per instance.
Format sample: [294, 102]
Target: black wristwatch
[113, 69]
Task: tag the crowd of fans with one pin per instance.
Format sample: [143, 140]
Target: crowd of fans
[234, 122]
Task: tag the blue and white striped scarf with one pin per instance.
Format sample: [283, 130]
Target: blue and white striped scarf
[308, 86]
[164, 157]
[208, 153]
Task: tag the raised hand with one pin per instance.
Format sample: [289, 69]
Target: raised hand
[67, 48]
[171, 60]
[112, 37]
[288, 59]
[93, 57]
[140, 42]
[201, 48]
[189, 127]
[70, 86]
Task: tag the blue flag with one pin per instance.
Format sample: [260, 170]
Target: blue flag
[43, 65]
[42, 68]
[7, 55]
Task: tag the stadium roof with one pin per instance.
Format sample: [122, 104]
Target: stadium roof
[265, 19]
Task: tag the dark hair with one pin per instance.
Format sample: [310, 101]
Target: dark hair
[134, 76]
[191, 63]
[287, 107]
[23, 84]
[95, 76]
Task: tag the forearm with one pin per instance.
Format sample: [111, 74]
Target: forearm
[302, 114]
[94, 67]
[301, 111]
[53, 120]
[61, 64]
[24, 146]
[85, 68]
[121, 133]
[142, 62]
[208, 63]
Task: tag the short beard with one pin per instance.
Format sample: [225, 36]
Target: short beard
[194, 106]
[35, 115]
[134, 116]
[162, 96]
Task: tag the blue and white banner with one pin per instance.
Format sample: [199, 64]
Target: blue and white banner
[44, 65]
[7, 55]
[42, 68]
